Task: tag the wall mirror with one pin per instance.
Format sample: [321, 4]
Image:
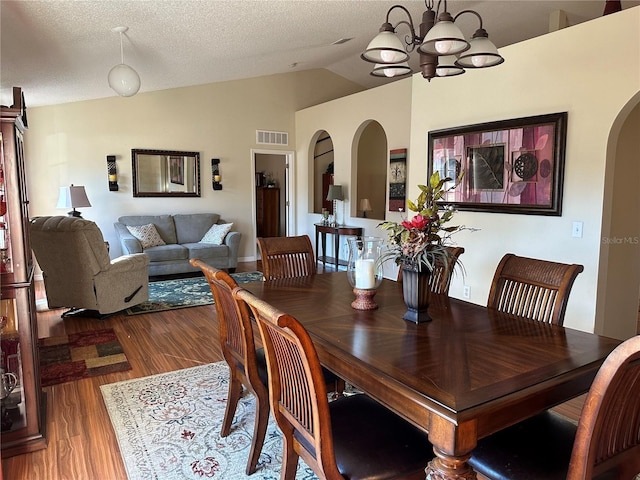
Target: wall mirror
[165, 173]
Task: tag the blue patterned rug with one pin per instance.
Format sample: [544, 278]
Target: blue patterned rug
[183, 292]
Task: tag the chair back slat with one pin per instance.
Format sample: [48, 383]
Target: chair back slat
[286, 257]
[298, 395]
[608, 436]
[532, 288]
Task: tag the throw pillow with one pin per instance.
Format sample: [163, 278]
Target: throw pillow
[147, 234]
[217, 233]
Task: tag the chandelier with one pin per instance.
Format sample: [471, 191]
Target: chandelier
[443, 49]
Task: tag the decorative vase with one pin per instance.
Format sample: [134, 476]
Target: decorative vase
[364, 270]
[416, 291]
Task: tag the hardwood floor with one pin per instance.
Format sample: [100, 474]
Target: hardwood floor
[82, 445]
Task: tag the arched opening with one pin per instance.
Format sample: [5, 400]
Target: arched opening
[619, 278]
[322, 171]
[370, 154]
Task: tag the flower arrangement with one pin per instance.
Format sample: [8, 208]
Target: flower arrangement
[420, 241]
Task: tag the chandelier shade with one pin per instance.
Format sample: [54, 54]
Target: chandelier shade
[483, 53]
[444, 38]
[443, 48]
[123, 79]
[385, 48]
[396, 70]
[447, 66]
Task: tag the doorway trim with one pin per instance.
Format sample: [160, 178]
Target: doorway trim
[289, 191]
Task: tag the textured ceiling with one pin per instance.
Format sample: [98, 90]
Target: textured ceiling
[61, 51]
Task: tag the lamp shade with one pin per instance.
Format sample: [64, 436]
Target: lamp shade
[124, 80]
[335, 193]
[482, 54]
[447, 66]
[365, 205]
[395, 70]
[73, 197]
[444, 38]
[385, 48]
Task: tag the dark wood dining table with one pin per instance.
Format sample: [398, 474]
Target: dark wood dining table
[467, 373]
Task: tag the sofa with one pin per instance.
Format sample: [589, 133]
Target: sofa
[170, 241]
[77, 271]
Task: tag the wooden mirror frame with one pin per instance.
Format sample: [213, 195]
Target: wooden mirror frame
[177, 173]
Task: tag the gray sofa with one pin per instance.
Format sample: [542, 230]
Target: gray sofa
[182, 234]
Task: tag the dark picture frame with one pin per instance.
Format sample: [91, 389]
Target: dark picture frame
[176, 170]
[507, 166]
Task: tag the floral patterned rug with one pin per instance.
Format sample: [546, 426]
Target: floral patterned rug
[168, 428]
[183, 292]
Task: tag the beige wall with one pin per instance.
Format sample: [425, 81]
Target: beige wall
[69, 143]
[581, 70]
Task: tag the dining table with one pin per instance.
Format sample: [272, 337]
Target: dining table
[468, 372]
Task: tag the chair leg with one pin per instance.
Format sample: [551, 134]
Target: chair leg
[338, 389]
[233, 397]
[259, 432]
[289, 458]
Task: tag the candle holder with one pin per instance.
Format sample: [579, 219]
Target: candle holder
[364, 270]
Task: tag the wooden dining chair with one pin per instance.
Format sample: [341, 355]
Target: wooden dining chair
[532, 288]
[604, 445]
[247, 366]
[352, 437]
[286, 257]
[441, 275]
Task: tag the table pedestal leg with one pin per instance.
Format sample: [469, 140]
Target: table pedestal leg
[445, 467]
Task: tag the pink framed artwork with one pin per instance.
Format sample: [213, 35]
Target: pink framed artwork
[507, 166]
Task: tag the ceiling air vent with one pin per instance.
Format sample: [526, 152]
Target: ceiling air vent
[265, 137]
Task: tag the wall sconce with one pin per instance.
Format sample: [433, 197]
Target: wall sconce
[112, 172]
[215, 174]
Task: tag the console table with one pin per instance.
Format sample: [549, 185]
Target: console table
[336, 231]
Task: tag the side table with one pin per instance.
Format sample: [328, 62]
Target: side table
[336, 231]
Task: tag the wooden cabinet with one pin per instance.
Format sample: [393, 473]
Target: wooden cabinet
[268, 211]
[21, 398]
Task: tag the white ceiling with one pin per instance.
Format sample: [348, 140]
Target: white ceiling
[61, 51]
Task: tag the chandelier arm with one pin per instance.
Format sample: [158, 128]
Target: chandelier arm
[469, 11]
[408, 23]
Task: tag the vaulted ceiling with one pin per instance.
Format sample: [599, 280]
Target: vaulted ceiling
[61, 51]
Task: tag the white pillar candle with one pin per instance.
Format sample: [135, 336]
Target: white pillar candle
[365, 275]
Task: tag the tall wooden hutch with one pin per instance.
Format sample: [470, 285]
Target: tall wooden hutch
[22, 400]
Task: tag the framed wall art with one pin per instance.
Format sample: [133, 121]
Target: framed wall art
[176, 170]
[508, 166]
[397, 179]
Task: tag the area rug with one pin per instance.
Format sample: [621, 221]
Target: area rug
[168, 428]
[183, 292]
[80, 355]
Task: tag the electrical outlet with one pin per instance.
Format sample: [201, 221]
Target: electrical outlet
[576, 230]
[466, 291]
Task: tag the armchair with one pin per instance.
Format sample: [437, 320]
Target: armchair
[77, 271]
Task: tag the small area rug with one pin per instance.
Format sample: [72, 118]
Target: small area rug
[183, 292]
[80, 355]
[168, 428]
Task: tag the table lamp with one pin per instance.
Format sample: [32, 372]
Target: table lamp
[365, 206]
[73, 197]
[335, 193]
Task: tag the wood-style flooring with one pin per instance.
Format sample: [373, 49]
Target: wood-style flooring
[82, 445]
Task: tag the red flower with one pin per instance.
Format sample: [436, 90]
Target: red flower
[418, 223]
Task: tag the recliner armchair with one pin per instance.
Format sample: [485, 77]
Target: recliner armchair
[77, 271]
